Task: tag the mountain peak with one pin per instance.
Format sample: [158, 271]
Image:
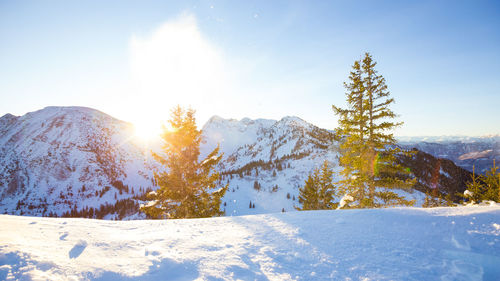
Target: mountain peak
[293, 120]
[8, 117]
[58, 110]
[215, 119]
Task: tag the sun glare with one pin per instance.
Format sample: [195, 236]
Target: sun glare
[147, 131]
[176, 64]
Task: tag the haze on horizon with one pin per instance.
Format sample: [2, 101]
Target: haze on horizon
[136, 60]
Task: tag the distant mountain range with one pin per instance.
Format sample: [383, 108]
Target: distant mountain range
[465, 152]
[77, 161]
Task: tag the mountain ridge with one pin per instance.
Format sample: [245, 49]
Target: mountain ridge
[77, 161]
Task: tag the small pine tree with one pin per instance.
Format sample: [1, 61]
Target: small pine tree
[434, 198]
[318, 193]
[475, 188]
[188, 188]
[256, 185]
[492, 184]
[308, 195]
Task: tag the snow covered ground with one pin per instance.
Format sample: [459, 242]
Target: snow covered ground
[461, 243]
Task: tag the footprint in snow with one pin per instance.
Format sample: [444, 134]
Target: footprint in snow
[78, 249]
[462, 245]
[340, 221]
[152, 253]
[63, 237]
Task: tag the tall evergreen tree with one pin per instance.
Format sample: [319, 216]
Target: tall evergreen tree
[319, 192]
[368, 148]
[188, 187]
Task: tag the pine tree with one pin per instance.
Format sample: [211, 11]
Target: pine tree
[475, 188]
[434, 198]
[188, 187]
[318, 193]
[429, 201]
[256, 185]
[308, 194]
[368, 149]
[327, 190]
[484, 187]
[492, 184]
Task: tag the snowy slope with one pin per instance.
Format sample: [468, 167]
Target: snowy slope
[60, 159]
[459, 243]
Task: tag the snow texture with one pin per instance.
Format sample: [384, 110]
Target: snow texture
[461, 243]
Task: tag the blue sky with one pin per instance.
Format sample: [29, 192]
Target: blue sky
[260, 59]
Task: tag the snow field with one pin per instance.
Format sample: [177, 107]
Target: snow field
[460, 243]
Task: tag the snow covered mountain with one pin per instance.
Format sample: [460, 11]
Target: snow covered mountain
[81, 162]
[465, 152]
[266, 161]
[69, 159]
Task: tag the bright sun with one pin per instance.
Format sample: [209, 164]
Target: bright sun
[174, 64]
[147, 131]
